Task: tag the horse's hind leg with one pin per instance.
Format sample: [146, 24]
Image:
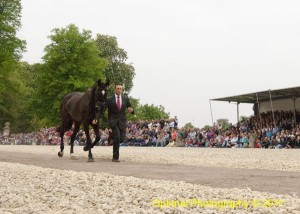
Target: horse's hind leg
[88, 145]
[73, 136]
[62, 146]
[66, 124]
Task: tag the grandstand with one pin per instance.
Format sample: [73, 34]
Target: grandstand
[286, 99]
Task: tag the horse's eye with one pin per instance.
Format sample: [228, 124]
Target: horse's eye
[103, 92]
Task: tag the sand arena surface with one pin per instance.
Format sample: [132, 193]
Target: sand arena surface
[33, 189]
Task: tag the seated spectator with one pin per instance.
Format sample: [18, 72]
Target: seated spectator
[273, 142]
[265, 143]
[189, 143]
[257, 143]
[148, 140]
[171, 144]
[140, 141]
[159, 139]
[297, 143]
[207, 142]
[268, 132]
[244, 140]
[153, 140]
[291, 142]
[275, 130]
[165, 139]
[282, 143]
[234, 140]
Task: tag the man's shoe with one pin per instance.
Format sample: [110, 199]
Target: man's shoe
[115, 160]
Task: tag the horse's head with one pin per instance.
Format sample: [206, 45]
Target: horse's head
[101, 94]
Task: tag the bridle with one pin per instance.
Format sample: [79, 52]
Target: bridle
[100, 104]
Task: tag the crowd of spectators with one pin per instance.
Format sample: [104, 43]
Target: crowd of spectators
[46, 136]
[268, 130]
[253, 132]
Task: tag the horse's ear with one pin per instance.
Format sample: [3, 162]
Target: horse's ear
[107, 82]
[99, 82]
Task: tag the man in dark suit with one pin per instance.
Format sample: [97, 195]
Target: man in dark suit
[117, 106]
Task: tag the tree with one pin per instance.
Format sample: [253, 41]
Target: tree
[243, 119]
[117, 70]
[11, 48]
[207, 127]
[146, 112]
[151, 112]
[21, 104]
[223, 124]
[71, 63]
[189, 125]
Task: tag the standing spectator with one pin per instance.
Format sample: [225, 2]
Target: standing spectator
[176, 122]
[162, 123]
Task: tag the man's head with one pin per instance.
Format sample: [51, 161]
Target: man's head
[118, 89]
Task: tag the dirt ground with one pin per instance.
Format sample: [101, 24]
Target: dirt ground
[279, 182]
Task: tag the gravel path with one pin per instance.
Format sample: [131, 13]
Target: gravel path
[270, 159]
[33, 189]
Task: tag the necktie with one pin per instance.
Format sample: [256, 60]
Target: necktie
[118, 103]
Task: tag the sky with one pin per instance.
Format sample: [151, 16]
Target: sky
[185, 52]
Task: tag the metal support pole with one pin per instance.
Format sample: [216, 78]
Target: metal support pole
[238, 113]
[295, 118]
[272, 106]
[258, 105]
[211, 114]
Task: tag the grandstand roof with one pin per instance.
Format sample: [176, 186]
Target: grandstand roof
[263, 95]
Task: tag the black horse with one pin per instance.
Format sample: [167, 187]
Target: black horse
[85, 108]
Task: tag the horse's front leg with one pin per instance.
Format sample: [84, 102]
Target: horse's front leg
[89, 142]
[91, 159]
[88, 145]
[97, 134]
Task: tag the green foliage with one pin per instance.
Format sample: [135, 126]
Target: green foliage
[135, 104]
[151, 112]
[22, 105]
[9, 94]
[17, 99]
[189, 125]
[243, 119]
[72, 63]
[147, 112]
[223, 124]
[117, 70]
[11, 48]
[207, 127]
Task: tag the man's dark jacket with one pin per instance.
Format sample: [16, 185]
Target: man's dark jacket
[116, 117]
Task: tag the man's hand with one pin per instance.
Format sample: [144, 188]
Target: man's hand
[130, 109]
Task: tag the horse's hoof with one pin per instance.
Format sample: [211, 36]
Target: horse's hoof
[91, 160]
[85, 148]
[73, 157]
[60, 154]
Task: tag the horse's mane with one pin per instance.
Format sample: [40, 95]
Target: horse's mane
[92, 99]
